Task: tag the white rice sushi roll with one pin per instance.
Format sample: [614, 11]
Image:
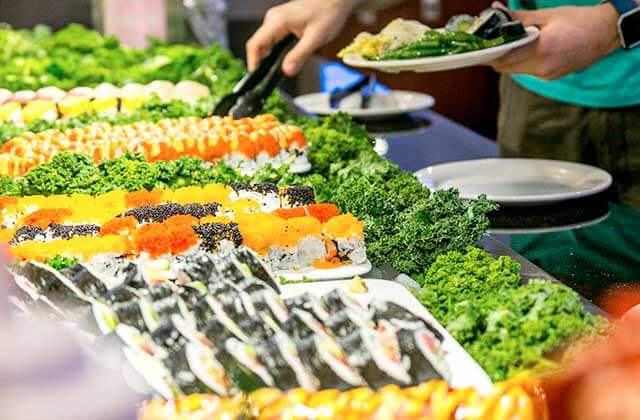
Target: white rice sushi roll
[83, 91]
[5, 95]
[190, 91]
[51, 93]
[24, 96]
[164, 89]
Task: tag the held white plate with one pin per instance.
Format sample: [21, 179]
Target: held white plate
[312, 273]
[517, 181]
[463, 370]
[445, 62]
[383, 105]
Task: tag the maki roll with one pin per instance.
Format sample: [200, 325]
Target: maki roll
[132, 276]
[178, 365]
[296, 196]
[311, 304]
[271, 357]
[207, 369]
[119, 294]
[378, 361]
[168, 336]
[346, 321]
[338, 300]
[87, 280]
[52, 284]
[228, 270]
[193, 267]
[401, 317]
[202, 312]
[265, 193]
[245, 369]
[304, 377]
[192, 294]
[154, 373]
[129, 313]
[301, 324]
[256, 329]
[424, 352]
[488, 24]
[101, 320]
[266, 302]
[160, 291]
[328, 363]
[218, 332]
[256, 267]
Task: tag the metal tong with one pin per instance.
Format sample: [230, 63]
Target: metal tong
[364, 85]
[248, 96]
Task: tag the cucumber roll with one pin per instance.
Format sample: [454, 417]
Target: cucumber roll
[256, 329]
[56, 287]
[207, 369]
[328, 362]
[401, 317]
[338, 300]
[266, 302]
[88, 281]
[423, 350]
[130, 313]
[218, 331]
[168, 336]
[378, 360]
[119, 294]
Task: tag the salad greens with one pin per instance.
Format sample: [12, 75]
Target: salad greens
[60, 262]
[436, 43]
[506, 327]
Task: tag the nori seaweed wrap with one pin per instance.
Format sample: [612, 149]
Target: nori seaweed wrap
[301, 324]
[327, 361]
[256, 329]
[160, 291]
[376, 361]
[257, 267]
[169, 336]
[337, 300]
[310, 303]
[187, 381]
[87, 281]
[52, 284]
[346, 321]
[422, 349]
[119, 294]
[130, 313]
[275, 363]
[132, 276]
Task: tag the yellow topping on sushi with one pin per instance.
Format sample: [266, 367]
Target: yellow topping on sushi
[72, 106]
[11, 111]
[40, 110]
[344, 226]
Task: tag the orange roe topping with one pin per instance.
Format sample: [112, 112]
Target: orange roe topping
[334, 263]
[44, 217]
[118, 226]
[181, 219]
[268, 144]
[171, 236]
[323, 212]
[344, 226]
[140, 198]
[247, 147]
[7, 202]
[290, 213]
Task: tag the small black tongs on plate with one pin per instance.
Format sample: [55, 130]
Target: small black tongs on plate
[249, 94]
[364, 85]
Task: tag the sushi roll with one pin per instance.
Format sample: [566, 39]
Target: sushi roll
[256, 329]
[304, 376]
[243, 366]
[163, 89]
[39, 109]
[265, 300]
[207, 369]
[51, 93]
[82, 92]
[296, 196]
[169, 337]
[218, 236]
[400, 317]
[156, 271]
[106, 90]
[105, 105]
[301, 324]
[130, 313]
[229, 315]
[193, 293]
[190, 91]
[217, 332]
[256, 266]
[160, 291]
[101, 320]
[227, 270]
[346, 321]
[266, 194]
[272, 358]
[5, 95]
[311, 304]
[154, 373]
[56, 287]
[85, 279]
[131, 275]
[327, 361]
[73, 106]
[28, 233]
[11, 112]
[424, 352]
[338, 300]
[378, 361]
[193, 267]
[119, 294]
[487, 25]
[24, 96]
[166, 307]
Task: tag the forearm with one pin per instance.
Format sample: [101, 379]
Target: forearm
[610, 17]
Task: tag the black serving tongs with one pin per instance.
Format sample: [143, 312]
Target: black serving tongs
[249, 94]
[364, 85]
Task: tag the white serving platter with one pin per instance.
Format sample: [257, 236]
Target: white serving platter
[517, 181]
[445, 62]
[383, 105]
[464, 370]
[315, 274]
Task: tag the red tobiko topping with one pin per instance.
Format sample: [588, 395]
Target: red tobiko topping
[7, 201]
[44, 217]
[323, 212]
[170, 236]
[118, 226]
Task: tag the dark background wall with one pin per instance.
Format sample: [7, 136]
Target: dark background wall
[55, 13]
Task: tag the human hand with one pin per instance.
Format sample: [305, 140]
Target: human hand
[571, 39]
[314, 22]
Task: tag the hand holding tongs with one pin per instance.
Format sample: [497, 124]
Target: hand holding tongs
[249, 94]
[364, 85]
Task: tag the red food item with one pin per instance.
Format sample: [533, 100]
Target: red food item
[7, 201]
[118, 226]
[290, 213]
[140, 198]
[171, 236]
[44, 217]
[323, 212]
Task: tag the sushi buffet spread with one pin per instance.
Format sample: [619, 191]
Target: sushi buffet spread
[149, 225]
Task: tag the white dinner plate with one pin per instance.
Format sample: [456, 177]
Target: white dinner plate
[383, 105]
[517, 181]
[445, 62]
[343, 272]
[550, 229]
[463, 370]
